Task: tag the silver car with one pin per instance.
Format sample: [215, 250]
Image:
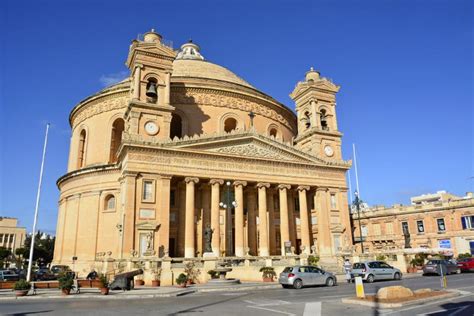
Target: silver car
[439, 267]
[299, 276]
[375, 270]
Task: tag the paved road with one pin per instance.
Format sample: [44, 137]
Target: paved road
[308, 301]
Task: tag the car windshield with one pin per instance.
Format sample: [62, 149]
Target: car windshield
[358, 266]
[287, 270]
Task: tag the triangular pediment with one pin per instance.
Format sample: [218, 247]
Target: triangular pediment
[157, 49]
[247, 145]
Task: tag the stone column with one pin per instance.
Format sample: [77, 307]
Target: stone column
[304, 223]
[251, 222]
[164, 184]
[262, 216]
[189, 233]
[167, 89]
[239, 218]
[324, 231]
[129, 212]
[215, 216]
[284, 228]
[136, 83]
[271, 223]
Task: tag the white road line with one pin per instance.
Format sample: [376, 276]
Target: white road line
[272, 310]
[427, 304]
[456, 309]
[312, 309]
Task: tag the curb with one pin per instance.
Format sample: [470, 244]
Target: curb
[392, 305]
[241, 288]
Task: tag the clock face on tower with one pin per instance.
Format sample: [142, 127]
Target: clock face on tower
[151, 128]
[328, 151]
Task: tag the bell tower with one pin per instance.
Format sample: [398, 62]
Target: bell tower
[151, 64]
[315, 99]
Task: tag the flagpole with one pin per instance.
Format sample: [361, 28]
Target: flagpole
[355, 165]
[350, 185]
[32, 243]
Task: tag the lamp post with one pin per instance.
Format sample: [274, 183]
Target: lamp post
[227, 204]
[357, 205]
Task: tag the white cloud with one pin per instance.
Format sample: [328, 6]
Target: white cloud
[110, 79]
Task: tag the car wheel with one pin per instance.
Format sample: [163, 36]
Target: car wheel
[329, 282]
[397, 276]
[370, 279]
[298, 284]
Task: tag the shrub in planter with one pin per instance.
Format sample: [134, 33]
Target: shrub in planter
[139, 280]
[103, 284]
[191, 271]
[181, 280]
[268, 274]
[156, 276]
[21, 287]
[213, 274]
[65, 283]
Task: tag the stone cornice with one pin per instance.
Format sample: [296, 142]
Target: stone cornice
[87, 171]
[316, 130]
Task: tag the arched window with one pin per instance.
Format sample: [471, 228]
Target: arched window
[81, 149]
[230, 124]
[307, 119]
[176, 128]
[324, 120]
[116, 139]
[273, 132]
[109, 203]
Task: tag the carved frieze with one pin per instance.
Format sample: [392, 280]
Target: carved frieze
[100, 105]
[252, 150]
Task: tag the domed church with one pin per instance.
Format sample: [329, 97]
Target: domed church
[186, 161]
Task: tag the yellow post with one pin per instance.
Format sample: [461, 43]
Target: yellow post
[359, 287]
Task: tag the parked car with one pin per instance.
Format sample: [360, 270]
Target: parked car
[299, 276]
[9, 275]
[58, 269]
[466, 265]
[371, 271]
[438, 266]
[43, 274]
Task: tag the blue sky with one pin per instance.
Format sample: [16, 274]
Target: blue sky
[405, 70]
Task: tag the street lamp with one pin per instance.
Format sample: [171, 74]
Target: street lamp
[227, 204]
[357, 205]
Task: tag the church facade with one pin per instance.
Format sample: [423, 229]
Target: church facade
[184, 160]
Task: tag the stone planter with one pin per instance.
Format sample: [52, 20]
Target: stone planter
[21, 292]
[267, 279]
[139, 282]
[182, 285]
[66, 291]
[189, 282]
[155, 283]
[104, 290]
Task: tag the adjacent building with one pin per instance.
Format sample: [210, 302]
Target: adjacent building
[12, 237]
[439, 222]
[183, 147]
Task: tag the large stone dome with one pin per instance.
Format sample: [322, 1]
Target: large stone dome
[196, 68]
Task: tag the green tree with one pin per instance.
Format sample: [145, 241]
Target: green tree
[4, 254]
[44, 248]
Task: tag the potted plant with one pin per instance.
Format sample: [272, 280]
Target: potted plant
[181, 280]
[268, 273]
[139, 280]
[191, 271]
[65, 283]
[21, 287]
[103, 284]
[156, 275]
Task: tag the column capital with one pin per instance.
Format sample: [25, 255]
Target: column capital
[284, 186]
[240, 183]
[166, 176]
[322, 189]
[216, 181]
[263, 185]
[139, 66]
[303, 188]
[190, 179]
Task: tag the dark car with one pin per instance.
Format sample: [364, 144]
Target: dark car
[466, 265]
[441, 266]
[59, 269]
[43, 274]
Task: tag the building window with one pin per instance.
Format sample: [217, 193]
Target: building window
[389, 228]
[467, 222]
[116, 139]
[176, 128]
[324, 120]
[147, 190]
[109, 204]
[230, 124]
[364, 230]
[441, 226]
[307, 119]
[405, 229]
[420, 227]
[81, 149]
[273, 132]
[377, 231]
[333, 201]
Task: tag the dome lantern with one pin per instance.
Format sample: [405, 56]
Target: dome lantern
[190, 50]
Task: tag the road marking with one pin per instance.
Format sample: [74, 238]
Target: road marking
[264, 302]
[427, 304]
[456, 309]
[312, 309]
[272, 310]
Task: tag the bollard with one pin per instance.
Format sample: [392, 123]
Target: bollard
[443, 279]
[359, 287]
